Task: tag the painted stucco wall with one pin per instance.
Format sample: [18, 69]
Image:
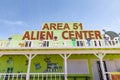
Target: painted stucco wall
[19, 62]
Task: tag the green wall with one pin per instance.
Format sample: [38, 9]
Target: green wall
[19, 62]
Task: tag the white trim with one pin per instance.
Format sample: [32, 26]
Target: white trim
[68, 56]
[28, 69]
[59, 51]
[65, 57]
[61, 55]
[30, 57]
[33, 56]
[100, 57]
[24, 74]
[103, 70]
[65, 66]
[26, 55]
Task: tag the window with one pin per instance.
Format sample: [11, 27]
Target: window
[28, 43]
[78, 67]
[80, 43]
[45, 43]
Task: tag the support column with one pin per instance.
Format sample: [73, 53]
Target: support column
[65, 57]
[65, 66]
[30, 57]
[101, 56]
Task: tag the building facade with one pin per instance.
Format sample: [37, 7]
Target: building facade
[61, 51]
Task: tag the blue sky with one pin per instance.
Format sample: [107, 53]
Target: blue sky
[16, 16]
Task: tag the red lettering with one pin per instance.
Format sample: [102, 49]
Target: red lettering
[85, 34]
[71, 35]
[66, 26]
[91, 35]
[78, 35]
[64, 36]
[81, 26]
[45, 27]
[53, 26]
[38, 37]
[26, 36]
[59, 26]
[42, 34]
[75, 26]
[98, 35]
[49, 35]
[32, 36]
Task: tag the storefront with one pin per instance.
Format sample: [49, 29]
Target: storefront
[60, 51]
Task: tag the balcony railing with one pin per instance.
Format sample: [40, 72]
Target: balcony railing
[33, 76]
[59, 44]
